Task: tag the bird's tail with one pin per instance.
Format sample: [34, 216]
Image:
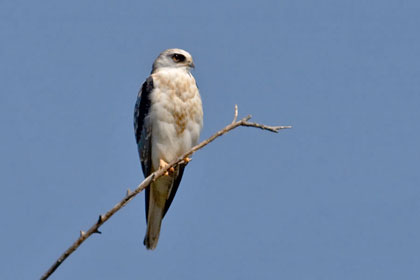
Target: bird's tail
[158, 195]
[153, 228]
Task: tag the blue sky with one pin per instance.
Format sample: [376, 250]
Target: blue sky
[336, 197]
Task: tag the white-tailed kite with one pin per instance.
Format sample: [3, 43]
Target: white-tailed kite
[168, 118]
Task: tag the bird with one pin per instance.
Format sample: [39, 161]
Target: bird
[168, 119]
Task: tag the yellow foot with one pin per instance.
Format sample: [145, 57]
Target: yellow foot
[163, 164]
[187, 160]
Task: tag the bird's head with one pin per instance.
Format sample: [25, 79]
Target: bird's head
[174, 58]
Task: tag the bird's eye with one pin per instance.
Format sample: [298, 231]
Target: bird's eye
[178, 57]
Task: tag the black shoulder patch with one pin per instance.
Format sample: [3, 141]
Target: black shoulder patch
[142, 107]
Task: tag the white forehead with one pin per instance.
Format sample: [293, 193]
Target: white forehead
[174, 51]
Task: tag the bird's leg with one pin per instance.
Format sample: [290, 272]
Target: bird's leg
[163, 164]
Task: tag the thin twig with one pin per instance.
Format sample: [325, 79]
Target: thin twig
[146, 182]
[236, 114]
[266, 127]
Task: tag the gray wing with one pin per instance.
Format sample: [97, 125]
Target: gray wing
[143, 131]
[142, 127]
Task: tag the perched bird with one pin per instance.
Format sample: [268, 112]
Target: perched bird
[168, 118]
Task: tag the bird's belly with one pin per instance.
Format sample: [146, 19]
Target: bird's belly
[168, 144]
[174, 130]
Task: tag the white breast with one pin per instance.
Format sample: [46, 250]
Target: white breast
[176, 114]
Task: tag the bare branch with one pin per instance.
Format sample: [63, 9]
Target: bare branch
[146, 182]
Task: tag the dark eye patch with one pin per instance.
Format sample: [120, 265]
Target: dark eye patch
[178, 57]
